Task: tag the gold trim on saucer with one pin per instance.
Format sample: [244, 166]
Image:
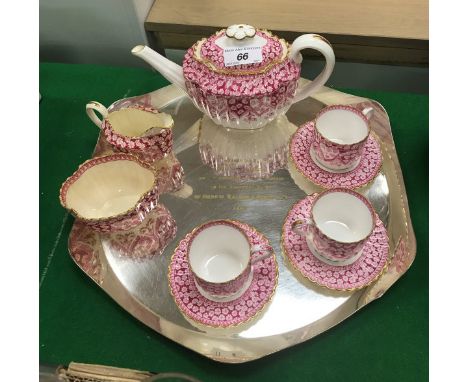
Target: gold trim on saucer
[284, 252]
[306, 178]
[259, 311]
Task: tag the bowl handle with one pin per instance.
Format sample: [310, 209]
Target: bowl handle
[91, 109]
[317, 42]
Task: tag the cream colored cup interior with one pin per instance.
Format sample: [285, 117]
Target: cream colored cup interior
[134, 122]
[109, 189]
[343, 217]
[219, 253]
[342, 126]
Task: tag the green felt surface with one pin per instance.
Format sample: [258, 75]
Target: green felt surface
[385, 341]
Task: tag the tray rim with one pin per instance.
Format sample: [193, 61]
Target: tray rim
[110, 283]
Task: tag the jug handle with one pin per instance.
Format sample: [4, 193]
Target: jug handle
[317, 42]
[91, 109]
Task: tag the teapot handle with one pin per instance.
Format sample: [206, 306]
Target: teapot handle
[91, 109]
[317, 42]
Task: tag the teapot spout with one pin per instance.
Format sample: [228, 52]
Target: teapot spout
[170, 70]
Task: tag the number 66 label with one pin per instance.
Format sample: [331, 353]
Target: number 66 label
[242, 55]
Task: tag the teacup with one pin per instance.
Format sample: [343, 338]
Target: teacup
[139, 130]
[111, 193]
[220, 258]
[339, 225]
[340, 134]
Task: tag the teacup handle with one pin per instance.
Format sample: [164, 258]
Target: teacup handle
[91, 109]
[368, 112]
[300, 226]
[317, 42]
[268, 249]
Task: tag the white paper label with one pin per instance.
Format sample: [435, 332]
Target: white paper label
[242, 55]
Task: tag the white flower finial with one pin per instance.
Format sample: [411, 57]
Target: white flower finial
[240, 31]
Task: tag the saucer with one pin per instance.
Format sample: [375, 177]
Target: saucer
[198, 308]
[357, 275]
[364, 173]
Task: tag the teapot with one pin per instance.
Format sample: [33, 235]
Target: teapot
[242, 77]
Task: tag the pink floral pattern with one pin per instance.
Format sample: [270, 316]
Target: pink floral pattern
[272, 51]
[367, 169]
[222, 314]
[238, 96]
[227, 288]
[169, 171]
[148, 148]
[253, 110]
[148, 239]
[170, 175]
[333, 250]
[402, 259]
[122, 221]
[334, 155]
[361, 273]
[82, 244]
[329, 248]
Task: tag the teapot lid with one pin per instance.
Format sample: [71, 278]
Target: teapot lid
[270, 50]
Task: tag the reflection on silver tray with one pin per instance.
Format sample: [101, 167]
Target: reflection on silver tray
[298, 311]
[245, 154]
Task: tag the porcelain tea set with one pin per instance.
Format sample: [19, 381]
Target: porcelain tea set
[241, 78]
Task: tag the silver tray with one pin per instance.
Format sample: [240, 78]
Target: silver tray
[298, 310]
